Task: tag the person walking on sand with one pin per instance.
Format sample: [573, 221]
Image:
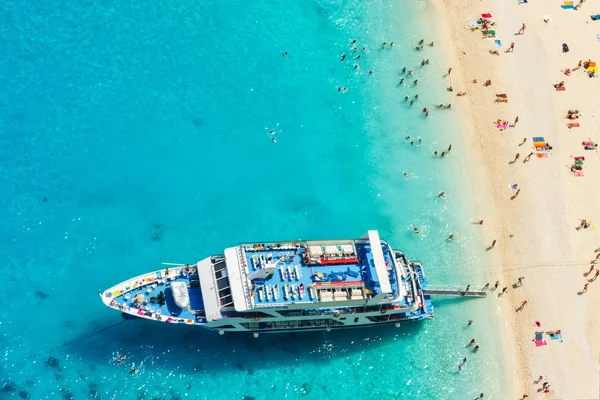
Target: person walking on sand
[493, 243]
[523, 304]
[517, 157]
[449, 70]
[523, 142]
[496, 285]
[597, 256]
[516, 120]
[596, 276]
[520, 280]
[522, 30]
[504, 289]
[591, 268]
[487, 286]
[449, 148]
[511, 48]
[517, 193]
[585, 287]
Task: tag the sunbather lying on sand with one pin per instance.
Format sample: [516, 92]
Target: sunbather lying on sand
[461, 93]
[488, 82]
[560, 84]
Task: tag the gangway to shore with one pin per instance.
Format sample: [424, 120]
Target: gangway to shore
[453, 291]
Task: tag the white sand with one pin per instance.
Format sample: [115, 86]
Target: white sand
[545, 248]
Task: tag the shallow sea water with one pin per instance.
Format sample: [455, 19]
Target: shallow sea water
[137, 134]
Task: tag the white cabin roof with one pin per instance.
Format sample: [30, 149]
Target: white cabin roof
[210, 294]
[380, 267]
[237, 284]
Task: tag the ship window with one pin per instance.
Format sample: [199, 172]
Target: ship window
[227, 300]
[226, 327]
[342, 319]
[220, 266]
[223, 283]
[356, 320]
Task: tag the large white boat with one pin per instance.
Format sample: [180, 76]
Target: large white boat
[282, 286]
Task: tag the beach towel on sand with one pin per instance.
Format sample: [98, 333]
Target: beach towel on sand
[539, 343]
[560, 89]
[595, 17]
[556, 336]
[522, 1]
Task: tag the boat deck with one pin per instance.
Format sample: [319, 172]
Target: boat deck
[149, 286]
[296, 280]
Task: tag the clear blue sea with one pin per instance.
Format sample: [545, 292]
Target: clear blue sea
[135, 134]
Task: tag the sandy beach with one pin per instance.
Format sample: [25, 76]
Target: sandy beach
[537, 232]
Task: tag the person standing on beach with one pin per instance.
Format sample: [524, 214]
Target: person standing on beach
[493, 243]
[596, 276]
[449, 70]
[511, 48]
[597, 256]
[522, 30]
[517, 157]
[487, 286]
[585, 288]
[523, 142]
[516, 120]
[496, 285]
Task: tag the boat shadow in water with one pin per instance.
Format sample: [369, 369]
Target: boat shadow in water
[189, 349]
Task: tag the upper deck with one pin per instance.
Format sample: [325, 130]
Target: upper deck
[302, 273]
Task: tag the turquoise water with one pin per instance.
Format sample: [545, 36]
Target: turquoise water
[133, 135]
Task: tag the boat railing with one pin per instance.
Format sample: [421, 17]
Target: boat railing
[455, 287]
